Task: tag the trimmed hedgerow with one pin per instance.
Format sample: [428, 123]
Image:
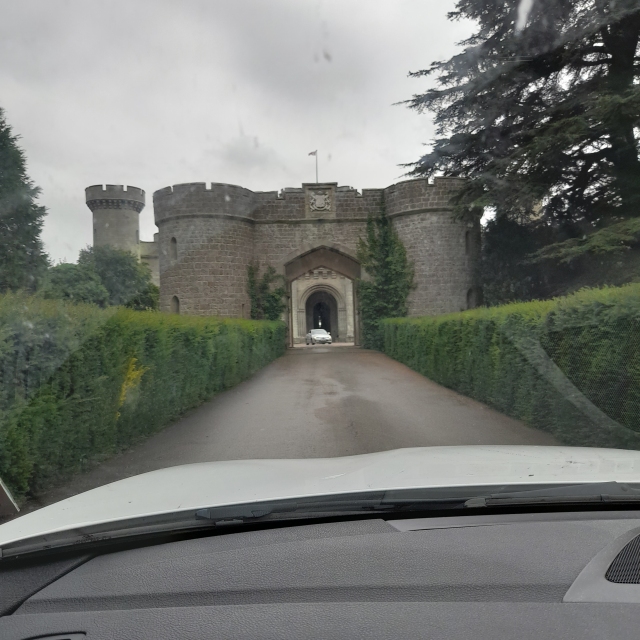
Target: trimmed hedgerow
[570, 366]
[78, 383]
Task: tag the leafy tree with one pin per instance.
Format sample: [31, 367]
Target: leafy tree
[384, 258]
[22, 258]
[147, 300]
[266, 293]
[75, 282]
[122, 275]
[541, 111]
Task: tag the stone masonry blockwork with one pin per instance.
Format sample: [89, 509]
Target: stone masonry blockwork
[208, 236]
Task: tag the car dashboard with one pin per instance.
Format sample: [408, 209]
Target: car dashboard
[522, 575]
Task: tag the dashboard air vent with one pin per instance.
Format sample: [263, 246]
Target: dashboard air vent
[625, 568]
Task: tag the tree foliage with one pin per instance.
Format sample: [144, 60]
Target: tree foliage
[608, 256]
[266, 293]
[147, 300]
[541, 110]
[22, 258]
[127, 281]
[384, 295]
[615, 238]
[75, 283]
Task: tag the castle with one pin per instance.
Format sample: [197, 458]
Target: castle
[208, 235]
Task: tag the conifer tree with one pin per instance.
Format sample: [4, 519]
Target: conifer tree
[385, 292]
[23, 261]
[541, 110]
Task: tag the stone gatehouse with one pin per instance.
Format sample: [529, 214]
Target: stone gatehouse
[209, 234]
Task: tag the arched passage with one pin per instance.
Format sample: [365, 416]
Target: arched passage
[321, 311]
[321, 286]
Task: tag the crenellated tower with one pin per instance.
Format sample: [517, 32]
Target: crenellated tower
[209, 234]
[205, 245]
[116, 210]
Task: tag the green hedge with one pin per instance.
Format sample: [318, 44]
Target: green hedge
[78, 383]
[570, 366]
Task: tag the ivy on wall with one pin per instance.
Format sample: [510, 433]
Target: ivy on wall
[384, 294]
[266, 292]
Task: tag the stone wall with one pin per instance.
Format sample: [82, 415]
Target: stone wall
[439, 246]
[276, 243]
[208, 235]
[149, 256]
[293, 203]
[443, 273]
[207, 267]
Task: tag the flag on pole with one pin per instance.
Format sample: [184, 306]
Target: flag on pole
[315, 153]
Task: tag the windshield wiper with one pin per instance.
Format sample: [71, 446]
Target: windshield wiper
[398, 502]
[596, 492]
[375, 503]
[384, 502]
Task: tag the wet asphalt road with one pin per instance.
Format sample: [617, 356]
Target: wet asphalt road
[314, 402]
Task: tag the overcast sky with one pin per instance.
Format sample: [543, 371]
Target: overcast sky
[157, 92]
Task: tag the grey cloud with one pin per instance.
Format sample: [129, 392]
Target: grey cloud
[150, 93]
[246, 153]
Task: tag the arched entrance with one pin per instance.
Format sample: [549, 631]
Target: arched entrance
[322, 294]
[321, 311]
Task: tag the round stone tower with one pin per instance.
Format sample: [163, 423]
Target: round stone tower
[444, 251]
[205, 246]
[116, 211]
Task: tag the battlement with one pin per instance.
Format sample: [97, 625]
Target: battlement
[419, 194]
[114, 196]
[230, 200]
[114, 192]
[199, 187]
[200, 198]
[294, 194]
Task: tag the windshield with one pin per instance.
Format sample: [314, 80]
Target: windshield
[240, 231]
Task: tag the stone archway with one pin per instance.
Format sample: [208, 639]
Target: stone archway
[323, 299]
[327, 274]
[329, 256]
[325, 305]
[322, 313]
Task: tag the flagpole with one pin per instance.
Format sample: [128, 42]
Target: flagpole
[315, 153]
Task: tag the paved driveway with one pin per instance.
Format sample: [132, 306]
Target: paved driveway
[315, 402]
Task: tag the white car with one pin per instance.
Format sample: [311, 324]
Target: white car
[318, 336]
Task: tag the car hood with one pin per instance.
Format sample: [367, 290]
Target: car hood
[216, 484]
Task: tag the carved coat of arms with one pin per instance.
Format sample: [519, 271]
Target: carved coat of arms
[319, 201]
